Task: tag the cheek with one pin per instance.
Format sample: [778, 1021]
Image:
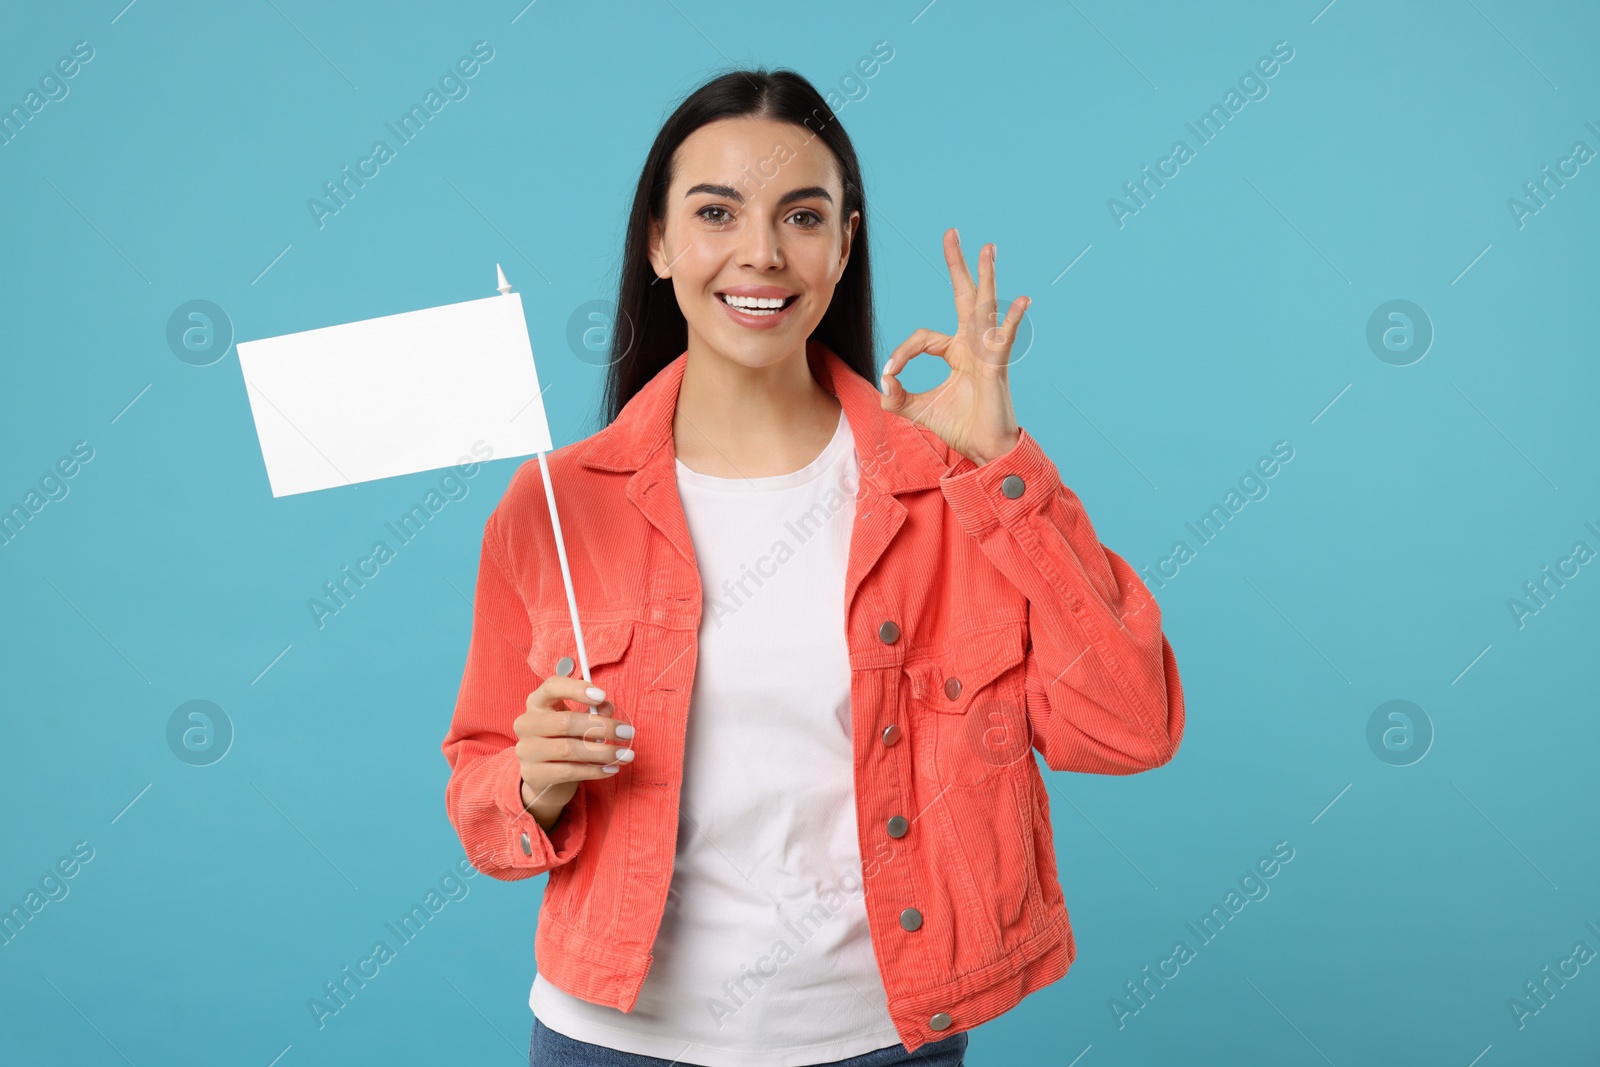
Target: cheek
[692, 274]
[696, 304]
[817, 263]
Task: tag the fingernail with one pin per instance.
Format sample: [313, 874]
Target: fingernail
[610, 768]
[625, 755]
[624, 730]
[594, 694]
[958, 235]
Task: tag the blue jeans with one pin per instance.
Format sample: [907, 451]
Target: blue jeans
[552, 1049]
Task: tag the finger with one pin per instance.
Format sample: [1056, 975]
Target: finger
[920, 341]
[554, 774]
[988, 324]
[574, 745]
[584, 725]
[557, 688]
[1019, 307]
[548, 715]
[895, 396]
[966, 294]
[585, 750]
[998, 339]
[988, 302]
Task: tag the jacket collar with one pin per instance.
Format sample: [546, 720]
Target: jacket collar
[893, 454]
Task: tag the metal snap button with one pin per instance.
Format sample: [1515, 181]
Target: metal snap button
[952, 687]
[911, 918]
[1012, 486]
[564, 666]
[898, 826]
[891, 733]
[941, 1021]
[527, 845]
[888, 633]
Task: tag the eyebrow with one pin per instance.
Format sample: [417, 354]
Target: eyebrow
[805, 193]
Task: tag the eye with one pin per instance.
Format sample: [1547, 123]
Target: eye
[711, 207]
[817, 219]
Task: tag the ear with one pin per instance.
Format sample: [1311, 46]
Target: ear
[850, 227]
[657, 260]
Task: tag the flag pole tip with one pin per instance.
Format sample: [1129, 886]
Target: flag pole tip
[504, 286]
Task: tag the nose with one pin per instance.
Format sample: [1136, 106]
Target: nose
[759, 248]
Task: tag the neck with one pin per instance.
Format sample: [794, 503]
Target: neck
[734, 420]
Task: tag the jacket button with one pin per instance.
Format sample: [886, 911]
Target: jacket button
[527, 845]
[891, 733]
[911, 918]
[940, 1021]
[1012, 486]
[952, 687]
[888, 633]
[898, 826]
[564, 666]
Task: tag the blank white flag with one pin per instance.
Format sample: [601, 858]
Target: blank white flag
[395, 395]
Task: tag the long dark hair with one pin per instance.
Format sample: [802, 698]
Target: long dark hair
[649, 330]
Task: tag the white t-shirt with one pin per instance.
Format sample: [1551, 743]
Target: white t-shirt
[763, 958]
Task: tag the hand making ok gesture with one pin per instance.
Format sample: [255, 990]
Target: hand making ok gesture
[971, 409]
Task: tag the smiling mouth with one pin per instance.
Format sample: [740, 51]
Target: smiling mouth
[758, 307]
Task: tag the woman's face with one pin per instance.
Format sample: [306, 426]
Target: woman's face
[753, 214]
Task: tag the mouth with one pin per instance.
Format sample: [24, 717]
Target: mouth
[757, 312]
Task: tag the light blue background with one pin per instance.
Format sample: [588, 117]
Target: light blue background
[1228, 314]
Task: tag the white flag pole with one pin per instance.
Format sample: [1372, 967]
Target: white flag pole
[561, 548]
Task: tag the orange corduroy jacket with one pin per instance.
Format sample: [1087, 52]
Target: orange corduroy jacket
[984, 620]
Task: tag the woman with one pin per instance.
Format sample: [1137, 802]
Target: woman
[826, 628]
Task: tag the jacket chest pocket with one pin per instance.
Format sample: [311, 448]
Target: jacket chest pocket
[555, 652]
[977, 676]
[967, 669]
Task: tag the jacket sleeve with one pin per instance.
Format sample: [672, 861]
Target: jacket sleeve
[1103, 694]
[484, 795]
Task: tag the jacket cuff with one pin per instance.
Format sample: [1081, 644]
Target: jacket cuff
[526, 843]
[980, 495]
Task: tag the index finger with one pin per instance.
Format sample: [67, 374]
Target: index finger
[558, 687]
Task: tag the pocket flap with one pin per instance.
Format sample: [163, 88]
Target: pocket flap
[605, 642]
[966, 665]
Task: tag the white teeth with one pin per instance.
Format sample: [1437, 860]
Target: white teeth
[754, 304]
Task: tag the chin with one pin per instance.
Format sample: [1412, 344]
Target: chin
[755, 352]
[758, 348]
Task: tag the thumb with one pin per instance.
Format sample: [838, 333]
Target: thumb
[894, 394]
